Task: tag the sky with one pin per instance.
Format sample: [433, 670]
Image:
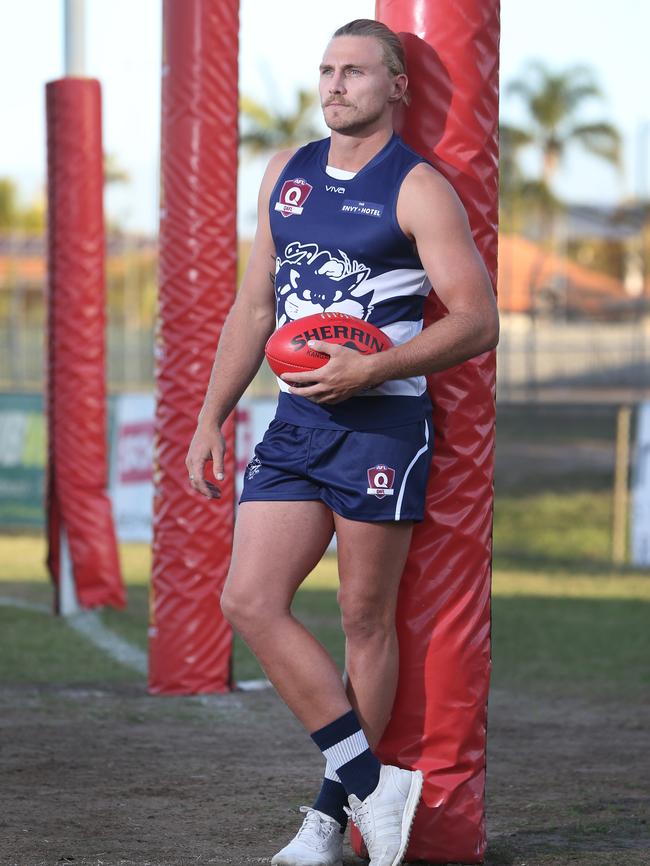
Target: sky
[280, 49]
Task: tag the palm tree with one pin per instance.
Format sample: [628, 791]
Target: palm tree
[266, 129]
[554, 101]
[521, 198]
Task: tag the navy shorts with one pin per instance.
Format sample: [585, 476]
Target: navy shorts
[364, 475]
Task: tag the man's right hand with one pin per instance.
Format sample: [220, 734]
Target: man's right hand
[207, 443]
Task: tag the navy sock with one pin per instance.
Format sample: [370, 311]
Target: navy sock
[331, 800]
[347, 752]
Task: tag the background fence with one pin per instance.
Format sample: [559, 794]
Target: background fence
[596, 347]
[537, 360]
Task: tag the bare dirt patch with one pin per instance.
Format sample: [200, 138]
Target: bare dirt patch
[109, 775]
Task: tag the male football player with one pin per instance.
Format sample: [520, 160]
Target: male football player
[356, 223]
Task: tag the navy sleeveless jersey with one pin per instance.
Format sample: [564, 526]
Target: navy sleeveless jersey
[340, 248]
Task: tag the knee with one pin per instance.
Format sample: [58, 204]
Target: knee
[231, 607]
[243, 612]
[365, 619]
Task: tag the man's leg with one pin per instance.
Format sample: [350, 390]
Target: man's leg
[371, 560]
[276, 545]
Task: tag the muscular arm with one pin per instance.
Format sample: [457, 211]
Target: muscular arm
[429, 212]
[241, 347]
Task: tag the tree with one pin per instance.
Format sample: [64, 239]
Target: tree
[554, 102]
[523, 201]
[30, 218]
[8, 203]
[113, 171]
[267, 129]
[14, 215]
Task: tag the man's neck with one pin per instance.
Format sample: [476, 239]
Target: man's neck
[351, 152]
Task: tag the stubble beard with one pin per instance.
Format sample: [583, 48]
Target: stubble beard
[355, 124]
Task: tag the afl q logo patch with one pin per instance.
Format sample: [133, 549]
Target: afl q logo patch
[380, 481]
[293, 195]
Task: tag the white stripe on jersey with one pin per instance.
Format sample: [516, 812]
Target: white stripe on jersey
[401, 332]
[400, 497]
[397, 284]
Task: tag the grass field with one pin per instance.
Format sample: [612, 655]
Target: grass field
[556, 598]
[559, 624]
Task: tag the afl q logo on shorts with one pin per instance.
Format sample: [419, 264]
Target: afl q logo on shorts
[380, 481]
[293, 195]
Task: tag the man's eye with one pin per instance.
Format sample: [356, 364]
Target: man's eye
[354, 72]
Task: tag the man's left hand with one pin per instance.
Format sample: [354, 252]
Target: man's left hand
[346, 373]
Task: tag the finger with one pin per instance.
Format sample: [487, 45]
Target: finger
[198, 483]
[325, 348]
[309, 377]
[315, 392]
[213, 490]
[206, 488]
[195, 469]
[195, 476]
[217, 464]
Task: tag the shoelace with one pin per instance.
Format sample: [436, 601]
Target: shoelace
[360, 816]
[315, 823]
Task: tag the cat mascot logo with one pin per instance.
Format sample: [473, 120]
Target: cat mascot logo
[309, 280]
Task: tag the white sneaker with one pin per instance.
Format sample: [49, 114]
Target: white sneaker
[319, 842]
[384, 818]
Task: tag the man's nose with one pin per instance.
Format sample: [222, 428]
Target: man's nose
[337, 83]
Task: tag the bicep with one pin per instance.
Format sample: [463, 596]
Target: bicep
[431, 212]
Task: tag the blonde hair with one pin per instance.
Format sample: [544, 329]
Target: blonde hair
[391, 46]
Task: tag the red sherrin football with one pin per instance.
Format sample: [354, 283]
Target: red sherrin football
[287, 350]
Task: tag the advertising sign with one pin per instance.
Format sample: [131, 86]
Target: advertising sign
[22, 460]
[641, 490]
[132, 457]
[131, 477]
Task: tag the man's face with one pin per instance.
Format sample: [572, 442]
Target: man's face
[356, 88]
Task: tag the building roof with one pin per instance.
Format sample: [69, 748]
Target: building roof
[531, 277]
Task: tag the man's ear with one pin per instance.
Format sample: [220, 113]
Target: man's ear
[400, 83]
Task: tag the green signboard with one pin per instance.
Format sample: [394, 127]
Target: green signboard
[22, 460]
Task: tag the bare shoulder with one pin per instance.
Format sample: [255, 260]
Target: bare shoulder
[426, 198]
[273, 171]
[276, 165]
[426, 180]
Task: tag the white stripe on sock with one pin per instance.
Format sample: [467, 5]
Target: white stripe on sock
[330, 773]
[346, 750]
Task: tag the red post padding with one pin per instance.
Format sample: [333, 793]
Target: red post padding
[77, 503]
[190, 642]
[440, 716]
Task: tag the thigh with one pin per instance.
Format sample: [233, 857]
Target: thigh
[278, 470]
[371, 559]
[275, 546]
